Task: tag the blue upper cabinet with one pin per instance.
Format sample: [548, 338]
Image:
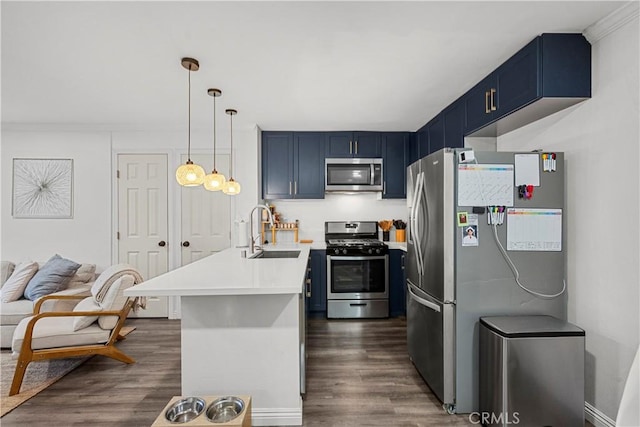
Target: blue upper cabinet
[453, 118]
[292, 165]
[395, 148]
[353, 144]
[553, 70]
[436, 133]
[308, 165]
[277, 165]
[422, 142]
[477, 104]
[413, 147]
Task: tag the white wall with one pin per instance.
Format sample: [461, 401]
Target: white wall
[89, 235]
[337, 207]
[600, 139]
[86, 236]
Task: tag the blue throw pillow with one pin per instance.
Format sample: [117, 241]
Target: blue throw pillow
[51, 277]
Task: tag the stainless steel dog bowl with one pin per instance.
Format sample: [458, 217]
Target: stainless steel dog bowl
[185, 410]
[225, 409]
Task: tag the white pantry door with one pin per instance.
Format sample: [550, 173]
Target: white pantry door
[206, 215]
[143, 220]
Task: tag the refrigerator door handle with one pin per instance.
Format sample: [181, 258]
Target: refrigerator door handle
[413, 232]
[417, 234]
[422, 301]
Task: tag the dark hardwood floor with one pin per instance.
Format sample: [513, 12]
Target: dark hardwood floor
[358, 373]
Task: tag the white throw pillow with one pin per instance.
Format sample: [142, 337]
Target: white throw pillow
[14, 287]
[87, 304]
[6, 269]
[114, 300]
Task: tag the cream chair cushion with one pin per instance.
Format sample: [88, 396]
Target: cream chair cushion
[114, 299]
[14, 287]
[51, 332]
[87, 304]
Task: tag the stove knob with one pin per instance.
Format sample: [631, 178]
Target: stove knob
[336, 251]
[370, 251]
[344, 251]
[377, 251]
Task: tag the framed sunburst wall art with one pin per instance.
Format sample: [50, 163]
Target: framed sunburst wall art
[42, 188]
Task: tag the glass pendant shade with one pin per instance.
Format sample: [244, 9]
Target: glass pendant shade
[231, 188]
[214, 181]
[190, 174]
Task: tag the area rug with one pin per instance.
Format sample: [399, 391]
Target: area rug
[38, 377]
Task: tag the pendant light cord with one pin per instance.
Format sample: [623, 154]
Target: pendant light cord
[214, 133]
[189, 129]
[231, 164]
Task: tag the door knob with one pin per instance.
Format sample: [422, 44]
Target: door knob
[186, 243]
[162, 243]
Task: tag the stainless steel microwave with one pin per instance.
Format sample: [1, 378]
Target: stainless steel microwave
[353, 175]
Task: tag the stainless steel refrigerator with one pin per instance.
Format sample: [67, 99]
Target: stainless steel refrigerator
[452, 281]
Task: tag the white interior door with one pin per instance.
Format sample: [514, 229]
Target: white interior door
[206, 215]
[142, 220]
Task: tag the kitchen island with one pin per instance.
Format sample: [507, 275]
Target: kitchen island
[242, 328]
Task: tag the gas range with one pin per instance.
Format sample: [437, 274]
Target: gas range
[353, 238]
[357, 270]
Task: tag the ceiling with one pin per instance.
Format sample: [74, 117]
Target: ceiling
[283, 65]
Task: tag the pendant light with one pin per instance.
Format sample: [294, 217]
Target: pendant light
[214, 181]
[190, 174]
[231, 187]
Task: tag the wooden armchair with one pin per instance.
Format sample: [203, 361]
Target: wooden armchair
[51, 335]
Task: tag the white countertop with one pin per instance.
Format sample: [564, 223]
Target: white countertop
[397, 245]
[227, 273]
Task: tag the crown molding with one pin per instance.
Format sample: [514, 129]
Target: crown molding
[610, 23]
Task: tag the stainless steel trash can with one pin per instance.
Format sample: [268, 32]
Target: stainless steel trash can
[531, 372]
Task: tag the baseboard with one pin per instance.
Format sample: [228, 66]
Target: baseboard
[597, 418]
[276, 416]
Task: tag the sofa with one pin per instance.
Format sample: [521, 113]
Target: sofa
[15, 306]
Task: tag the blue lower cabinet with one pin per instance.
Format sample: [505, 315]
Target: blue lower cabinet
[397, 299]
[317, 303]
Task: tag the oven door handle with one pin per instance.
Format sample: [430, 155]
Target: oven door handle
[355, 258]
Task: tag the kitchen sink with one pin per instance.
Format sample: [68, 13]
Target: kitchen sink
[276, 254]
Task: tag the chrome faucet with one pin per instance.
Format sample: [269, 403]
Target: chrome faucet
[253, 239]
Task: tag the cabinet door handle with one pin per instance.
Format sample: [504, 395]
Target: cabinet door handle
[356, 147]
[402, 262]
[487, 109]
[350, 147]
[162, 243]
[295, 187]
[493, 100]
[308, 286]
[289, 187]
[186, 244]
